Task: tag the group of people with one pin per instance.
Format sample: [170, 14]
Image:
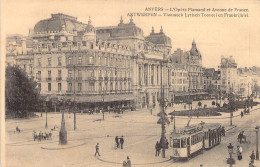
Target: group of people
[17, 129]
[41, 136]
[241, 136]
[119, 142]
[159, 146]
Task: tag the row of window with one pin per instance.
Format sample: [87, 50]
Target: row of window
[107, 86]
[99, 60]
[91, 86]
[180, 74]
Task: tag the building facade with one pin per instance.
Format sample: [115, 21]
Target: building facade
[229, 76]
[149, 65]
[105, 66]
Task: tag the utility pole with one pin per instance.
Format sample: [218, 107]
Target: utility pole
[174, 120]
[74, 112]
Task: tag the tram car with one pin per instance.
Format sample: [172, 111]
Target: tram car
[192, 140]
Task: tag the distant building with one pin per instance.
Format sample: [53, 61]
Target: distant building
[179, 82]
[208, 77]
[229, 76]
[193, 61]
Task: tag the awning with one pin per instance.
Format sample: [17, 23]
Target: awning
[99, 98]
[187, 93]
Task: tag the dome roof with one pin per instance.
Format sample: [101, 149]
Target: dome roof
[56, 22]
[159, 38]
[194, 51]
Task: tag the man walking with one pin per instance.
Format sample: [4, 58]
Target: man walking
[121, 142]
[117, 142]
[97, 150]
[157, 148]
[252, 157]
[171, 118]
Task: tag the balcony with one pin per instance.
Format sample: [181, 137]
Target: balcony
[92, 78]
[125, 79]
[111, 78]
[129, 79]
[69, 79]
[100, 78]
[58, 78]
[48, 79]
[106, 78]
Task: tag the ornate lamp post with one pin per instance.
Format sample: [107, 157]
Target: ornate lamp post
[74, 112]
[257, 153]
[163, 118]
[230, 160]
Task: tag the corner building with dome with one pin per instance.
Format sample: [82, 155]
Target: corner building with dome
[113, 66]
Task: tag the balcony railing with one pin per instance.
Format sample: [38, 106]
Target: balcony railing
[92, 78]
[106, 78]
[69, 79]
[48, 79]
[58, 78]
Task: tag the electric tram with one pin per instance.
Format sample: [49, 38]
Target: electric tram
[192, 140]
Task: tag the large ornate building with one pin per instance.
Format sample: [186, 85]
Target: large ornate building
[112, 66]
[148, 60]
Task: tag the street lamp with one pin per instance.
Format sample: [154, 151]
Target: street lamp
[63, 132]
[45, 105]
[230, 160]
[257, 153]
[163, 118]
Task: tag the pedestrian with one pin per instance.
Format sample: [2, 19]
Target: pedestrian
[117, 142]
[171, 118]
[252, 157]
[124, 164]
[157, 149]
[128, 162]
[223, 130]
[242, 114]
[122, 141]
[97, 150]
[151, 110]
[238, 153]
[240, 150]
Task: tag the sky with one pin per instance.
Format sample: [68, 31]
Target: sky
[215, 36]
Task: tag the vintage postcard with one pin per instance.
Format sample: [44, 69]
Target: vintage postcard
[147, 83]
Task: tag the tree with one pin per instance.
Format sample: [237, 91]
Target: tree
[21, 94]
